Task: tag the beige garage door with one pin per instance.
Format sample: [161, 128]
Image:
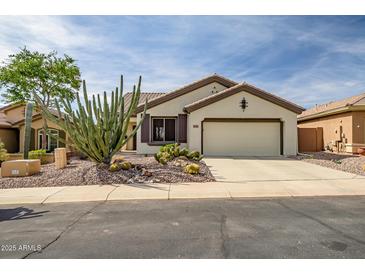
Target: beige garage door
[241, 138]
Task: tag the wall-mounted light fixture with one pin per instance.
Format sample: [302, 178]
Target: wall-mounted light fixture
[243, 104]
[214, 90]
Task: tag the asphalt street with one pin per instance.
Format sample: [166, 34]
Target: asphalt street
[331, 227]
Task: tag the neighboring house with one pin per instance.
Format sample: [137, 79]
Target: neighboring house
[12, 130]
[342, 123]
[220, 117]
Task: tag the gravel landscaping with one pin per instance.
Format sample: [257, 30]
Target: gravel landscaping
[345, 162]
[84, 172]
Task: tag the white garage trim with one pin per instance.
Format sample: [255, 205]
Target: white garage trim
[244, 120]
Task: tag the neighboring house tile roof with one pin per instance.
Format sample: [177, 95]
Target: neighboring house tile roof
[247, 88]
[6, 123]
[188, 88]
[142, 98]
[331, 106]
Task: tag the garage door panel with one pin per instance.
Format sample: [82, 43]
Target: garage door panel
[241, 138]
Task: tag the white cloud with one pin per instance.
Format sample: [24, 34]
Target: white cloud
[42, 33]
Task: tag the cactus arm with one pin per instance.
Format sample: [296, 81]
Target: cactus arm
[137, 126]
[28, 128]
[112, 106]
[135, 99]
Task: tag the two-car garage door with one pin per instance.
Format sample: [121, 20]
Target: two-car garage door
[242, 138]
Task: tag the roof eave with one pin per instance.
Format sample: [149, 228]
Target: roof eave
[11, 106]
[331, 112]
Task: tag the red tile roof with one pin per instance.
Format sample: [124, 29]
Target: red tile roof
[142, 98]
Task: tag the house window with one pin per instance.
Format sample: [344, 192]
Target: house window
[51, 139]
[163, 129]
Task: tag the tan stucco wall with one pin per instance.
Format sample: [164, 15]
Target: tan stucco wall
[331, 127]
[257, 108]
[10, 139]
[173, 108]
[37, 124]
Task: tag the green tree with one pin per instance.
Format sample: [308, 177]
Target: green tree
[50, 77]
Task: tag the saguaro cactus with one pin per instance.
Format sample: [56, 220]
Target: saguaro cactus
[28, 128]
[97, 129]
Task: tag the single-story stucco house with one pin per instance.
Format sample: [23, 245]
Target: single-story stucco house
[215, 116]
[219, 117]
[342, 123]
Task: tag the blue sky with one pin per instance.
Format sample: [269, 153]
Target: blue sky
[305, 59]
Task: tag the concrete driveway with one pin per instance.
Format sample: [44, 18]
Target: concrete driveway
[253, 169]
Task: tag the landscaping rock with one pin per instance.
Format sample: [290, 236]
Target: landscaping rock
[180, 162]
[147, 173]
[339, 161]
[85, 172]
[117, 159]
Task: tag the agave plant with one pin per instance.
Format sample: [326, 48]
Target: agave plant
[97, 129]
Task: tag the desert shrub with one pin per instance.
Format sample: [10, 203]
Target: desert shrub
[194, 155]
[125, 165]
[171, 151]
[118, 165]
[115, 167]
[184, 152]
[3, 153]
[38, 154]
[192, 169]
[168, 148]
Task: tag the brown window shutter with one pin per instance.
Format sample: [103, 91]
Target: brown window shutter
[183, 128]
[145, 129]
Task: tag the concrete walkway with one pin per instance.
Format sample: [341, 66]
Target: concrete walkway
[227, 190]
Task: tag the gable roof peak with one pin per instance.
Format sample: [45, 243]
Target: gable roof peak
[247, 88]
[188, 88]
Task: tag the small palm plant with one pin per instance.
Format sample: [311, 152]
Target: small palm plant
[97, 129]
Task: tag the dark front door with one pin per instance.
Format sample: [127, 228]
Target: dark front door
[134, 140]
